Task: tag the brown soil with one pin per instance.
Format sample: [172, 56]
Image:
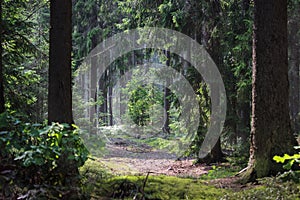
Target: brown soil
[123, 158]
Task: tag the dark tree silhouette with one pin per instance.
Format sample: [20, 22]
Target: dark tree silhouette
[60, 95]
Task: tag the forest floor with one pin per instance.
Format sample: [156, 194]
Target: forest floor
[131, 169]
[125, 157]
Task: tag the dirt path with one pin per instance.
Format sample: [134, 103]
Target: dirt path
[126, 157]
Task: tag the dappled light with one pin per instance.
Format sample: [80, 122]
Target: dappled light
[136, 99]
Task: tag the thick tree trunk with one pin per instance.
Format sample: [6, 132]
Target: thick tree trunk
[60, 95]
[270, 129]
[2, 103]
[294, 64]
[59, 91]
[216, 154]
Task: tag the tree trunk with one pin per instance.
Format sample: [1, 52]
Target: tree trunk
[167, 93]
[110, 101]
[93, 92]
[103, 107]
[59, 89]
[294, 64]
[122, 105]
[166, 122]
[2, 103]
[93, 81]
[60, 95]
[216, 154]
[270, 127]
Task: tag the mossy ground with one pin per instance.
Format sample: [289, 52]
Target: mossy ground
[99, 184]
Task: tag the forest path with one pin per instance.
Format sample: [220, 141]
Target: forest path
[128, 157]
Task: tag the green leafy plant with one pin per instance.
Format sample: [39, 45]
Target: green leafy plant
[288, 163]
[36, 156]
[288, 159]
[46, 145]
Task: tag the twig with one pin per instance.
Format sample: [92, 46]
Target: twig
[144, 185]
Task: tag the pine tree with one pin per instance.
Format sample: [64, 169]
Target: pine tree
[270, 129]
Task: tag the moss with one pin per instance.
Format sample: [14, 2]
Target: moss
[269, 190]
[118, 168]
[220, 172]
[156, 187]
[165, 187]
[100, 184]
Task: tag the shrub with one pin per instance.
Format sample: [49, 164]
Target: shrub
[34, 155]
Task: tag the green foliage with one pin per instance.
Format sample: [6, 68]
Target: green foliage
[142, 100]
[289, 163]
[157, 142]
[288, 160]
[46, 145]
[92, 23]
[35, 155]
[24, 57]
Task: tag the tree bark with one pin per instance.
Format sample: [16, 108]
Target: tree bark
[60, 95]
[216, 154]
[59, 89]
[294, 64]
[270, 127]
